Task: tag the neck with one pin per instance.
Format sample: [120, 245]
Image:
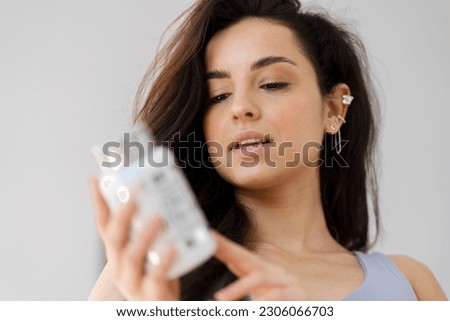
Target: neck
[289, 217]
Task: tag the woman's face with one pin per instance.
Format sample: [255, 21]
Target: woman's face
[266, 116]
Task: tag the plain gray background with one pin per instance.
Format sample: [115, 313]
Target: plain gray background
[68, 74]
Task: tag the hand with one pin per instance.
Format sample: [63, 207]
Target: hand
[126, 258]
[261, 280]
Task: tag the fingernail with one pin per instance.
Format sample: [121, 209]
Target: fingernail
[154, 220]
[171, 250]
[130, 205]
[222, 295]
[127, 203]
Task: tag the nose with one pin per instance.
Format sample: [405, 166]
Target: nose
[244, 108]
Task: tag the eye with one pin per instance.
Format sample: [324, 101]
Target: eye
[274, 86]
[218, 99]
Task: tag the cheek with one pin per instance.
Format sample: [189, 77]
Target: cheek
[207, 126]
[213, 129]
[301, 121]
[212, 126]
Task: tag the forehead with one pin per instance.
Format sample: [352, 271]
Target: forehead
[250, 39]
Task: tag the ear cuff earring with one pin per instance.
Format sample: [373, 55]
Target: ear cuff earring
[347, 99]
[337, 144]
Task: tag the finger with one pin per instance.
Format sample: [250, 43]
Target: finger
[242, 287]
[282, 294]
[118, 228]
[139, 246]
[238, 259]
[268, 286]
[271, 295]
[100, 205]
[167, 258]
[133, 269]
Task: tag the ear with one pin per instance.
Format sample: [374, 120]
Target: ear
[336, 108]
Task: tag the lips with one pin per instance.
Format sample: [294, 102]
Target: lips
[249, 138]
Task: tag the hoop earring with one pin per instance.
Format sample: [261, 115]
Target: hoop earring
[341, 118]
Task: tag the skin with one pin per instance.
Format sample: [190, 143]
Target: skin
[295, 113]
[292, 255]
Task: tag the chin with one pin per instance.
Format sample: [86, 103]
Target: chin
[251, 178]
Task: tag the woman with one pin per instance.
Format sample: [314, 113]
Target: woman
[285, 96]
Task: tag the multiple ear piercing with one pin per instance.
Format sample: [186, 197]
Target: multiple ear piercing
[341, 118]
[346, 100]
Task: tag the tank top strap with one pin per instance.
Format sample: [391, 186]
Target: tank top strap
[383, 280]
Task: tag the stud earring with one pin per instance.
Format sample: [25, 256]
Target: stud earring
[347, 99]
[333, 127]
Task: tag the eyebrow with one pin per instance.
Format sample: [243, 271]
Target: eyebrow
[259, 64]
[267, 61]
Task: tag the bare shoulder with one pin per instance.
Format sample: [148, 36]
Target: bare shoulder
[422, 280]
[104, 289]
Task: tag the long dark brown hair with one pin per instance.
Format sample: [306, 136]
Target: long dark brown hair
[172, 101]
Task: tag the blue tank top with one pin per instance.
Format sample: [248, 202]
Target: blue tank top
[383, 281]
